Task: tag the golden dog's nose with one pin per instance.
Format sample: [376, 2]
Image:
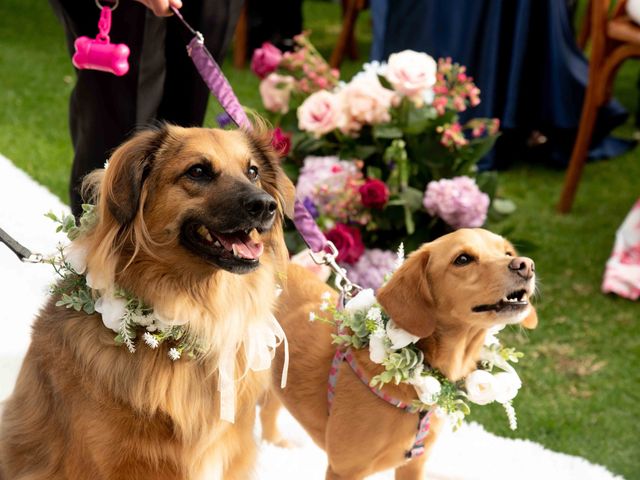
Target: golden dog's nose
[523, 266]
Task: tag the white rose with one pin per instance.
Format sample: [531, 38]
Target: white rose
[364, 300]
[480, 386]
[112, 310]
[427, 387]
[412, 74]
[506, 385]
[399, 337]
[76, 256]
[377, 350]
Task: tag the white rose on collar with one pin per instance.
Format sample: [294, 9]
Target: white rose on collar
[399, 338]
[112, 310]
[480, 386]
[427, 387]
[506, 386]
[377, 349]
[76, 257]
[363, 301]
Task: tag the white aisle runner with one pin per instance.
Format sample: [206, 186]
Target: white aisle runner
[469, 454]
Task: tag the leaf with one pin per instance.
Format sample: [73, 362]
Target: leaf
[386, 131]
[419, 119]
[374, 172]
[384, 82]
[504, 206]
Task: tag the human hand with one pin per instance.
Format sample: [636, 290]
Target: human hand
[161, 7]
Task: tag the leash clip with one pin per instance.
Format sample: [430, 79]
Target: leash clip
[342, 282]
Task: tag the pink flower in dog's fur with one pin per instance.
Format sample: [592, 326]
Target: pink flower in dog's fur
[458, 201]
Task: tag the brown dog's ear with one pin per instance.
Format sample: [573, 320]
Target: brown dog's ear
[407, 297]
[274, 181]
[128, 167]
[531, 320]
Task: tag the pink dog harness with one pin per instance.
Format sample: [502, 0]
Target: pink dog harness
[425, 417]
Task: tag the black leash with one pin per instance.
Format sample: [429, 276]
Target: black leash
[22, 252]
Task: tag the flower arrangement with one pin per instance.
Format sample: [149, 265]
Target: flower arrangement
[383, 158]
[364, 324]
[126, 315]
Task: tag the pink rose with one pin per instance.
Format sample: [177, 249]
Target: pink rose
[281, 142]
[265, 59]
[366, 103]
[320, 113]
[374, 194]
[348, 241]
[412, 74]
[275, 91]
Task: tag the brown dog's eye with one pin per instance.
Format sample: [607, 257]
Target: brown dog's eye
[198, 172]
[463, 259]
[509, 254]
[253, 173]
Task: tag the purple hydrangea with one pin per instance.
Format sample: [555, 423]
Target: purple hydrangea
[458, 201]
[371, 268]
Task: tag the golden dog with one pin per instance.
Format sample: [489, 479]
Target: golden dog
[189, 221]
[449, 292]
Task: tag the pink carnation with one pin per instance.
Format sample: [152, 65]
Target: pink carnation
[369, 271]
[265, 59]
[458, 201]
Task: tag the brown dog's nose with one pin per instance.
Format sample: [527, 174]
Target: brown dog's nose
[261, 205]
[523, 266]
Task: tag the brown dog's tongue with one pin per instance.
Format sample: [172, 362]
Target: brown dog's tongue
[241, 245]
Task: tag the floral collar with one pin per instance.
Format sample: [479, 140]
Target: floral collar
[131, 319]
[363, 323]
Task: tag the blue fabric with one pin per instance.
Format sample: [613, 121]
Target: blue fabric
[523, 56]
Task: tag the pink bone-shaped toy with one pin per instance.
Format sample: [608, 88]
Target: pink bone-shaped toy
[98, 53]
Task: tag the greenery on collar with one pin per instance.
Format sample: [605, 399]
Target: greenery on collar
[363, 323]
[121, 311]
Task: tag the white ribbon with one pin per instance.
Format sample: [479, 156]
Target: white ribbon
[260, 348]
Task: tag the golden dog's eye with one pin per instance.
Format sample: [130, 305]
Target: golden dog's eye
[463, 259]
[253, 173]
[509, 254]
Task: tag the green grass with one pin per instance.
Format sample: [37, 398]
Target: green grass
[581, 373]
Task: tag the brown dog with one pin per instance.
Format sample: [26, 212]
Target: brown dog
[190, 221]
[449, 292]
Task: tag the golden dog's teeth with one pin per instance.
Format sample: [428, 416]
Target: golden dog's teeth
[235, 251]
[217, 243]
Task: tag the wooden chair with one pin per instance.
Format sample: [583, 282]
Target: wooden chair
[346, 41]
[614, 39]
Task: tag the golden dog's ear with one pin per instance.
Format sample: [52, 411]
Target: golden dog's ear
[272, 177]
[128, 168]
[531, 320]
[407, 297]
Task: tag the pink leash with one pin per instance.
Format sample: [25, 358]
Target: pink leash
[212, 75]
